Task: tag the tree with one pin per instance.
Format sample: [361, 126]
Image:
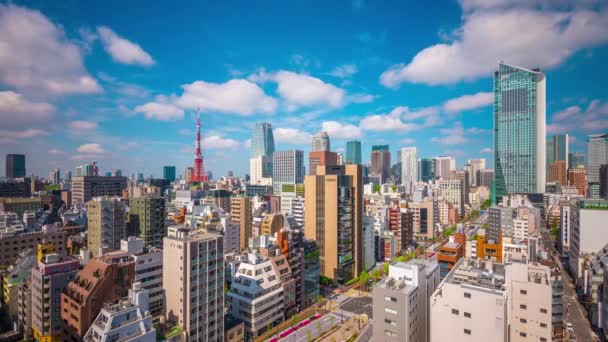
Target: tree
[319, 301]
[486, 204]
[394, 188]
[308, 336]
[295, 319]
[332, 320]
[319, 328]
[377, 188]
[385, 267]
[363, 278]
[554, 229]
[376, 274]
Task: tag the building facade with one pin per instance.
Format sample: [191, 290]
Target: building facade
[353, 152]
[84, 188]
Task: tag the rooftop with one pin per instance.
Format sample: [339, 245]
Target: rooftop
[485, 274]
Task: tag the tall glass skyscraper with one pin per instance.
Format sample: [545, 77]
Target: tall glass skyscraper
[576, 159]
[288, 167]
[557, 149]
[409, 167]
[262, 140]
[169, 173]
[427, 169]
[353, 152]
[519, 130]
[15, 166]
[597, 154]
[320, 142]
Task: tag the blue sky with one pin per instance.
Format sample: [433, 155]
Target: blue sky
[118, 83]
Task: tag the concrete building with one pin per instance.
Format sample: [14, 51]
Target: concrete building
[106, 223]
[423, 219]
[401, 302]
[452, 190]
[316, 158]
[287, 167]
[256, 296]
[500, 219]
[15, 276]
[470, 304]
[444, 166]
[578, 179]
[84, 188]
[240, 214]
[148, 271]
[125, 319]
[195, 299]
[333, 218]
[450, 253]
[558, 172]
[19, 205]
[530, 309]
[16, 242]
[519, 130]
[557, 150]
[597, 155]
[320, 142]
[260, 170]
[49, 278]
[476, 165]
[588, 234]
[101, 280]
[409, 168]
[380, 163]
[147, 219]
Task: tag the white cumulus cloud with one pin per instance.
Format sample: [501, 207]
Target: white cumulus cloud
[469, 102]
[451, 136]
[83, 125]
[37, 57]
[123, 50]
[161, 109]
[215, 142]
[387, 122]
[292, 136]
[518, 34]
[339, 130]
[90, 149]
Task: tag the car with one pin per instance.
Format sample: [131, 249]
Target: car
[569, 325]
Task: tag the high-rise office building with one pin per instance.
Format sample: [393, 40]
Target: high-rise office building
[578, 178]
[48, 280]
[194, 297]
[558, 172]
[409, 167]
[597, 154]
[381, 162]
[106, 223]
[519, 130]
[188, 171]
[317, 158]
[288, 167]
[320, 142]
[240, 214]
[55, 176]
[557, 149]
[15, 166]
[444, 166]
[427, 169]
[353, 152]
[169, 173]
[452, 190]
[262, 140]
[476, 165]
[86, 187]
[260, 170]
[333, 218]
[147, 219]
[576, 159]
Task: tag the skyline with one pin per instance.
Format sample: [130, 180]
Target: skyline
[85, 83]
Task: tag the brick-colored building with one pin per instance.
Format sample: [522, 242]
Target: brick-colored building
[317, 158]
[13, 244]
[578, 179]
[102, 279]
[450, 252]
[558, 172]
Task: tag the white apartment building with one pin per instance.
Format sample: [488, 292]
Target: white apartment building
[589, 234]
[401, 301]
[369, 249]
[256, 295]
[520, 228]
[470, 304]
[452, 190]
[126, 319]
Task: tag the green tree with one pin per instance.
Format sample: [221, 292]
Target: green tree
[295, 320]
[332, 320]
[385, 267]
[394, 188]
[363, 278]
[554, 229]
[377, 188]
[319, 328]
[308, 336]
[319, 301]
[376, 274]
[486, 204]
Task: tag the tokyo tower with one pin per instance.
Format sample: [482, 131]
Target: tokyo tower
[199, 174]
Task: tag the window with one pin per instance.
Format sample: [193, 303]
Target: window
[390, 333]
[467, 295]
[522, 334]
[467, 314]
[543, 310]
[524, 292]
[523, 320]
[543, 325]
[391, 311]
[542, 339]
[388, 321]
[467, 331]
[390, 299]
[455, 312]
[523, 306]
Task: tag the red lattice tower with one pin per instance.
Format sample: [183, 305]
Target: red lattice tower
[199, 174]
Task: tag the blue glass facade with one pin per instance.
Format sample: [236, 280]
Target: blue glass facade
[353, 152]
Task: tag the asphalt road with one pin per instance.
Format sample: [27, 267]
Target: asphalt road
[574, 311]
[300, 334]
